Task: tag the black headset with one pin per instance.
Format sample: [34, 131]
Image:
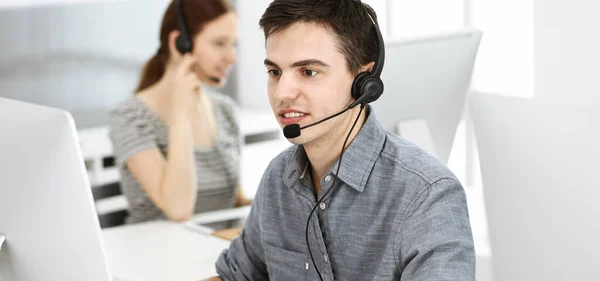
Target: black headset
[183, 41]
[367, 87]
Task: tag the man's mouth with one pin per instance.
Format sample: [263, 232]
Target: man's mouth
[293, 114]
[292, 117]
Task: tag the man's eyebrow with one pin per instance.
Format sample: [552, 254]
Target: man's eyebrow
[309, 62]
[298, 63]
[270, 63]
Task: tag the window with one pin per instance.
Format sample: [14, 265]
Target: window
[408, 18]
[505, 62]
[382, 15]
[420, 17]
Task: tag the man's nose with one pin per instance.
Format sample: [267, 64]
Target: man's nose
[287, 87]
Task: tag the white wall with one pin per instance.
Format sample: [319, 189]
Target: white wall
[125, 29]
[567, 50]
[83, 58]
[252, 81]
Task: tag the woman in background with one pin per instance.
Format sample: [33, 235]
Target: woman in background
[177, 145]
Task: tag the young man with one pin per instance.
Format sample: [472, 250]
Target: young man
[394, 213]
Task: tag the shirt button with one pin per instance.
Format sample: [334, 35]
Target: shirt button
[326, 260]
[327, 178]
[322, 206]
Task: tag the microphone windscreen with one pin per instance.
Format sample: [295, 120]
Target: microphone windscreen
[291, 131]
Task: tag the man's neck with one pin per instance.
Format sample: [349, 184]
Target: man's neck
[324, 154]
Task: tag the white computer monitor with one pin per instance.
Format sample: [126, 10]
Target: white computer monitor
[425, 84]
[539, 166]
[47, 211]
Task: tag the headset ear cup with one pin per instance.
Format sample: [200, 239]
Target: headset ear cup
[183, 45]
[373, 87]
[357, 84]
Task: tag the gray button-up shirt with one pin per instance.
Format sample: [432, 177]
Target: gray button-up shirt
[396, 213]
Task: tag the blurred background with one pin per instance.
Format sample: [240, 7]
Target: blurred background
[85, 56]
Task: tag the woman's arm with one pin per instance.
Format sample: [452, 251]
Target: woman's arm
[171, 183]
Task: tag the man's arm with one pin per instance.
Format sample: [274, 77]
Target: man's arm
[435, 240]
[244, 260]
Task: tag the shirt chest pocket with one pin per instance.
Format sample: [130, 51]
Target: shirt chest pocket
[285, 265]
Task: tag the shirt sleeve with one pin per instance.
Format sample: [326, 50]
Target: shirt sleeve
[129, 133]
[435, 240]
[244, 260]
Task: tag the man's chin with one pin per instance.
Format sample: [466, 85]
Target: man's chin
[300, 140]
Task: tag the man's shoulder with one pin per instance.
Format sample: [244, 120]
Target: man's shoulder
[272, 177]
[414, 160]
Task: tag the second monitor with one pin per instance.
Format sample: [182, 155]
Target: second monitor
[426, 81]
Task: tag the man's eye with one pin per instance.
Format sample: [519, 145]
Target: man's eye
[274, 72]
[309, 73]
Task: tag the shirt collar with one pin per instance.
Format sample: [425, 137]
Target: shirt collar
[358, 159]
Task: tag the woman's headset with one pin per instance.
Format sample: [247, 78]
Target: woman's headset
[183, 43]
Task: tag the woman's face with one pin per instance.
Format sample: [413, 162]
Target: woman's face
[215, 49]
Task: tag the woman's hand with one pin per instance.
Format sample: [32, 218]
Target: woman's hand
[190, 106]
[186, 88]
[240, 199]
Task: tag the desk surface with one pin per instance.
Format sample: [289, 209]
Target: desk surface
[163, 250]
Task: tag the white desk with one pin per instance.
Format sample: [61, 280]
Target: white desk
[159, 251]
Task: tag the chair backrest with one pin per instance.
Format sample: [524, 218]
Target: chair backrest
[115, 216]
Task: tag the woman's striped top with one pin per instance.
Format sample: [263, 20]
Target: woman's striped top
[134, 128]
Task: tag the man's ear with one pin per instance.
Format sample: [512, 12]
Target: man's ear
[368, 67]
[172, 46]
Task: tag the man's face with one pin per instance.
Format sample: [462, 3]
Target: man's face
[308, 80]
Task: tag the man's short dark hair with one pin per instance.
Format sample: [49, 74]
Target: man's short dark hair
[348, 20]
